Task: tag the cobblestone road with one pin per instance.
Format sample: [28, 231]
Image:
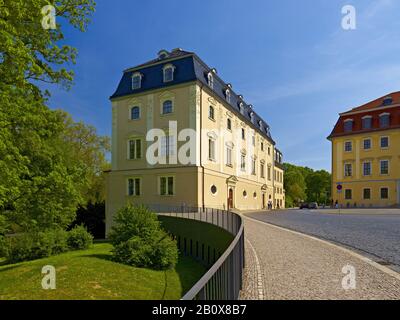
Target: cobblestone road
[295, 266]
[376, 236]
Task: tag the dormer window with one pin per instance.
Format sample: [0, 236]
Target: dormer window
[162, 54]
[387, 101]
[348, 125]
[367, 122]
[241, 107]
[260, 124]
[136, 80]
[168, 72]
[384, 120]
[228, 95]
[210, 79]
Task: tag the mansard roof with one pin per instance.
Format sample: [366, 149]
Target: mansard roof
[189, 67]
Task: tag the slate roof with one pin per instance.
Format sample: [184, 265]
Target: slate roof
[188, 67]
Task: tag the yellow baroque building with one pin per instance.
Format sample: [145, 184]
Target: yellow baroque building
[366, 154]
[182, 137]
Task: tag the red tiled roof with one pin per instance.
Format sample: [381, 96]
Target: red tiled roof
[373, 109]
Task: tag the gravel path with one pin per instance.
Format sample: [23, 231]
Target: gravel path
[298, 267]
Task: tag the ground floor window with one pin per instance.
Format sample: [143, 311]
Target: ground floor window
[384, 193]
[167, 186]
[348, 194]
[134, 187]
[367, 194]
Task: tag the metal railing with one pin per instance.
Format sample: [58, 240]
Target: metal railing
[223, 280]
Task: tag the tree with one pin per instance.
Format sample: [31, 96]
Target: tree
[39, 186]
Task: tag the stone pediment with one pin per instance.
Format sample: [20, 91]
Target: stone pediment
[232, 179]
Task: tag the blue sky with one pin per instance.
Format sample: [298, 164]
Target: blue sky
[291, 59]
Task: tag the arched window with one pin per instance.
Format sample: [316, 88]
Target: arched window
[348, 125]
[135, 113]
[136, 80]
[384, 120]
[168, 71]
[167, 107]
[210, 80]
[228, 95]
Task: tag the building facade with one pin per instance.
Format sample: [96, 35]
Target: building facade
[366, 154]
[182, 137]
[279, 199]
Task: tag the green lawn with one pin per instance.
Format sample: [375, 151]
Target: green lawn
[90, 274]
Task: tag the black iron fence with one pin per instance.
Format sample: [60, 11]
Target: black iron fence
[223, 280]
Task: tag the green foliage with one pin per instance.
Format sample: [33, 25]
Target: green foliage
[305, 184]
[92, 216]
[36, 245]
[140, 241]
[79, 238]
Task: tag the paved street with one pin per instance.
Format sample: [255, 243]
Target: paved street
[295, 266]
[375, 236]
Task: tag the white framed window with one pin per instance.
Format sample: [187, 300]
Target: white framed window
[348, 170]
[348, 125]
[262, 170]
[269, 173]
[367, 168]
[136, 80]
[168, 146]
[167, 107]
[243, 162]
[228, 95]
[167, 185]
[253, 166]
[135, 113]
[348, 146]
[134, 148]
[229, 156]
[384, 120]
[367, 144]
[384, 167]
[168, 73]
[211, 149]
[384, 142]
[134, 187]
[210, 80]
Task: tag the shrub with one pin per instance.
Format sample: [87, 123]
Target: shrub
[139, 240]
[92, 216]
[79, 238]
[29, 246]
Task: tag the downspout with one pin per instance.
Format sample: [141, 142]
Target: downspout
[201, 154]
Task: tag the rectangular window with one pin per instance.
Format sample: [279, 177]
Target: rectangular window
[134, 149]
[211, 149]
[229, 124]
[269, 151]
[166, 186]
[243, 134]
[262, 146]
[384, 142]
[167, 146]
[348, 170]
[367, 123]
[134, 187]
[348, 194]
[269, 173]
[262, 170]
[228, 156]
[253, 140]
[367, 169]
[136, 82]
[367, 194]
[384, 166]
[211, 113]
[253, 166]
[243, 162]
[348, 146]
[384, 193]
[367, 144]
